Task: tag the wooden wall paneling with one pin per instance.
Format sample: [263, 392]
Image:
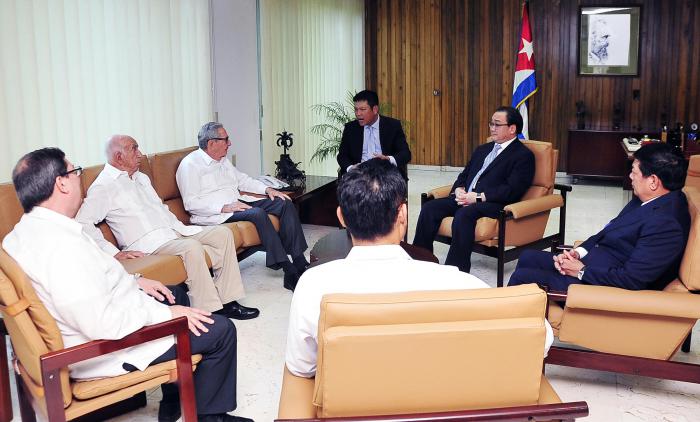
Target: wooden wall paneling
[472, 56]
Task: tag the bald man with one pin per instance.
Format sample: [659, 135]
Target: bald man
[142, 224]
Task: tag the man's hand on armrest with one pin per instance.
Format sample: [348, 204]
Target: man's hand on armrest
[195, 318]
[122, 255]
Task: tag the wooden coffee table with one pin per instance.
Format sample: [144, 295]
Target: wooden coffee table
[317, 202]
[337, 245]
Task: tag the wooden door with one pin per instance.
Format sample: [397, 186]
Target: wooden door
[408, 70]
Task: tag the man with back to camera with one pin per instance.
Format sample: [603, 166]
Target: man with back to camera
[372, 135]
[92, 297]
[213, 192]
[498, 173]
[124, 197]
[372, 205]
[640, 249]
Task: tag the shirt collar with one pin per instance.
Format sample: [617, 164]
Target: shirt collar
[506, 143]
[207, 158]
[115, 173]
[43, 213]
[378, 252]
[375, 125]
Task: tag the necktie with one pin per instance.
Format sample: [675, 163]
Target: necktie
[489, 158]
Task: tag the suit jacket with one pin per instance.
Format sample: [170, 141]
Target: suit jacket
[391, 138]
[642, 247]
[506, 179]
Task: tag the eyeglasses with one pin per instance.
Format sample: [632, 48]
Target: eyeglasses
[77, 170]
[219, 139]
[493, 125]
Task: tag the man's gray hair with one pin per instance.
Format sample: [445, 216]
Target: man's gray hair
[208, 131]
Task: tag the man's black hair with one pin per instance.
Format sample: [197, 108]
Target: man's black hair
[370, 196]
[370, 96]
[35, 174]
[663, 160]
[513, 117]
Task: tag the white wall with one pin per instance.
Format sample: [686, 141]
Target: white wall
[235, 78]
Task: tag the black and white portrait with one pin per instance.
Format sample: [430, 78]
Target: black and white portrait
[608, 40]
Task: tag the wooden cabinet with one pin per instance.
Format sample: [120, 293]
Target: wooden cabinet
[598, 153]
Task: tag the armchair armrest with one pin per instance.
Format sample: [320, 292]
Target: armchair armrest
[52, 362]
[534, 206]
[439, 192]
[644, 302]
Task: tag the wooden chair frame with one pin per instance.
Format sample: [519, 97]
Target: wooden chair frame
[500, 252]
[560, 411]
[52, 362]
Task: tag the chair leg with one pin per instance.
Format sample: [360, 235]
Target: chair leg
[686, 344]
[26, 410]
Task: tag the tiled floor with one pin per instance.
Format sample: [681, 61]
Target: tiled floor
[610, 397]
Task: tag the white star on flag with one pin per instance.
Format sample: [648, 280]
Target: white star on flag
[527, 48]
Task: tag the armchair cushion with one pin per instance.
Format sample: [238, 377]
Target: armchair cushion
[437, 329]
[33, 330]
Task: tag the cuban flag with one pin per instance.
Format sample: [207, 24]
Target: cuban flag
[524, 84]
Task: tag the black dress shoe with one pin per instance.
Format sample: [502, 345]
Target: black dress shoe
[237, 311]
[169, 411]
[290, 280]
[223, 417]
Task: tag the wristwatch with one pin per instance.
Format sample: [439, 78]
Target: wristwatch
[479, 197]
[580, 272]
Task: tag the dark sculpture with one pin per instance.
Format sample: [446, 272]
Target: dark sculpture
[287, 169]
[580, 115]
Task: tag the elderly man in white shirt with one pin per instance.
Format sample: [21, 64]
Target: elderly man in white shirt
[92, 297]
[142, 224]
[372, 205]
[212, 192]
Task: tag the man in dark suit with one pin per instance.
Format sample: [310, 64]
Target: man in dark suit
[640, 249]
[499, 173]
[372, 135]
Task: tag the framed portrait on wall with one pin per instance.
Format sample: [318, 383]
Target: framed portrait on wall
[608, 42]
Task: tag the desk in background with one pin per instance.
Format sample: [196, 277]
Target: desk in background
[597, 153]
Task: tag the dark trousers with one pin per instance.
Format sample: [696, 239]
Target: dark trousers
[290, 239]
[463, 225]
[538, 267]
[215, 376]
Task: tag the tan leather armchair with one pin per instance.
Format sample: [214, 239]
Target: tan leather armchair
[520, 225]
[633, 332]
[692, 179]
[427, 352]
[41, 360]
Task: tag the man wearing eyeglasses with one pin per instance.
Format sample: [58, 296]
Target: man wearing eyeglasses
[142, 224]
[214, 192]
[498, 173]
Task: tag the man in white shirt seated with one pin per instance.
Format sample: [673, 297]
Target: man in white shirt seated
[142, 224]
[372, 205]
[92, 297]
[213, 192]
